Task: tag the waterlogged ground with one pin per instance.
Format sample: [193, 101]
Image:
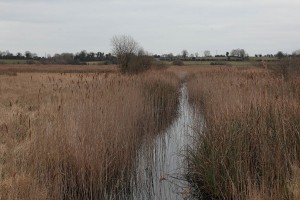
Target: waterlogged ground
[160, 165]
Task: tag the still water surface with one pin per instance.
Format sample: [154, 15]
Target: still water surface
[161, 165]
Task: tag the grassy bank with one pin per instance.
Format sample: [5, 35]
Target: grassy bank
[250, 145]
[75, 136]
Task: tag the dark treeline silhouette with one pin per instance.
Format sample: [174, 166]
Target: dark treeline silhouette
[85, 57]
[64, 58]
[19, 56]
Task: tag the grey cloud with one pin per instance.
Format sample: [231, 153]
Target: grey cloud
[160, 26]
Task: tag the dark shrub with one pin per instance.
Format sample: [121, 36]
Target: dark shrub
[178, 62]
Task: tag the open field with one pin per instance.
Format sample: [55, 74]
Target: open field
[252, 62]
[228, 63]
[75, 136]
[249, 148]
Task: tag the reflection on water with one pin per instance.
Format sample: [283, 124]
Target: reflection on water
[160, 164]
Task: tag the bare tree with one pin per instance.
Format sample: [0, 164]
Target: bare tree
[131, 57]
[124, 47]
[184, 53]
[280, 55]
[28, 55]
[206, 53]
[241, 53]
[296, 53]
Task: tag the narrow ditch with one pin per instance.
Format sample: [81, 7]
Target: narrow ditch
[160, 164]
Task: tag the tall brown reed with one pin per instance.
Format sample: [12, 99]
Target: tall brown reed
[249, 147]
[75, 136]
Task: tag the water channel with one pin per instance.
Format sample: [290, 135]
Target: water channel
[160, 166]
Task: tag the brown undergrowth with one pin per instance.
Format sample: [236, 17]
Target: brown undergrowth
[249, 147]
[75, 136]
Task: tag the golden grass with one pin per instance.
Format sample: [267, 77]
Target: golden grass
[250, 147]
[75, 136]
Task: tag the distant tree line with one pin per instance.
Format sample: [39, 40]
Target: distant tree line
[233, 55]
[84, 56]
[236, 54]
[19, 56]
[63, 58]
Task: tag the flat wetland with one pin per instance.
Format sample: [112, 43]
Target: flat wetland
[181, 132]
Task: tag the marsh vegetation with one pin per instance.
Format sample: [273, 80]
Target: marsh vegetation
[249, 146]
[91, 132]
[75, 136]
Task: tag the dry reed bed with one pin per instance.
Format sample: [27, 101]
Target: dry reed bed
[75, 136]
[13, 69]
[250, 145]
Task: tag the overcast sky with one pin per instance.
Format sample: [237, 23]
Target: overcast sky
[160, 26]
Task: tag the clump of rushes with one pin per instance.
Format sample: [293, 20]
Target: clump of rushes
[163, 100]
[79, 133]
[249, 147]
